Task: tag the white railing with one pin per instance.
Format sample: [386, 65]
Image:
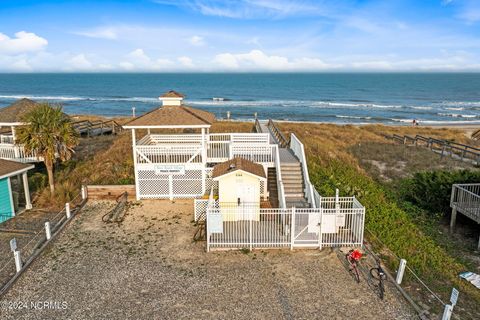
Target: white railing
[155, 148]
[466, 199]
[248, 228]
[297, 147]
[6, 138]
[250, 138]
[16, 153]
[169, 154]
[280, 187]
[254, 152]
[201, 206]
[340, 222]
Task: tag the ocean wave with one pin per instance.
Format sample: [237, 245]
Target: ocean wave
[353, 117]
[422, 108]
[455, 108]
[74, 98]
[457, 115]
[290, 103]
[445, 122]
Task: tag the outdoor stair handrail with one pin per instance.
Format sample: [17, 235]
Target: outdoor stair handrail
[282, 140]
[443, 144]
[476, 135]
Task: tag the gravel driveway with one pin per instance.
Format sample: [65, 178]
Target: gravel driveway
[149, 268]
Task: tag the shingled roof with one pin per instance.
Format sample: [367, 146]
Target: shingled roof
[238, 164]
[172, 94]
[176, 116]
[14, 112]
[8, 167]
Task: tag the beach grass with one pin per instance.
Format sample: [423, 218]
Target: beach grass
[334, 154]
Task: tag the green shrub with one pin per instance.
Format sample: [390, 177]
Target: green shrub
[37, 181]
[431, 190]
[385, 219]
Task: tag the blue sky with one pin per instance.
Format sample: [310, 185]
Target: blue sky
[238, 36]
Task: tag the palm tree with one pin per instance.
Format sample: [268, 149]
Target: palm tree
[50, 135]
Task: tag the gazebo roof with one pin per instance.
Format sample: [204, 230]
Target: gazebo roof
[9, 168]
[12, 114]
[235, 164]
[173, 117]
[172, 94]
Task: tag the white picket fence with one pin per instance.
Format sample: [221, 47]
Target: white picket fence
[338, 222]
[16, 153]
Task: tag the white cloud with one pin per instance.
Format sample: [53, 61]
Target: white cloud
[22, 42]
[138, 60]
[246, 9]
[100, 33]
[80, 63]
[197, 41]
[186, 62]
[258, 60]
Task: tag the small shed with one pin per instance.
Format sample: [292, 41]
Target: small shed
[13, 175]
[239, 188]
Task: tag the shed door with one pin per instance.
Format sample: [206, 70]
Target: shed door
[246, 198]
[6, 205]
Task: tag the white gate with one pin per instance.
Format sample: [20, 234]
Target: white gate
[339, 222]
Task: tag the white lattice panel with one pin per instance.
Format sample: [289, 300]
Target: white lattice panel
[151, 185]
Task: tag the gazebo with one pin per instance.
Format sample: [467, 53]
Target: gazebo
[171, 165]
[10, 119]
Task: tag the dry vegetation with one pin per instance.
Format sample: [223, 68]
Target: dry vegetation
[333, 152]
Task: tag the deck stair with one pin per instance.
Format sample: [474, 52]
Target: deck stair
[292, 177]
[272, 186]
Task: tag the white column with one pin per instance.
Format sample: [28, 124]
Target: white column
[204, 161]
[26, 190]
[15, 148]
[134, 147]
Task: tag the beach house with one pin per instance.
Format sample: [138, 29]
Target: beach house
[14, 191]
[10, 119]
[252, 189]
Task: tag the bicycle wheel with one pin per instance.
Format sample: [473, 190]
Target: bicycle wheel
[381, 289]
[375, 274]
[355, 273]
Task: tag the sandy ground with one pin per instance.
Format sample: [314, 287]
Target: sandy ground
[149, 268]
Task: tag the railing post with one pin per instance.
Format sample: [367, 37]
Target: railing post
[48, 232]
[67, 210]
[292, 229]
[84, 192]
[401, 271]
[447, 312]
[18, 260]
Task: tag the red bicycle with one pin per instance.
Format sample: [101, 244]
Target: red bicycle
[353, 257]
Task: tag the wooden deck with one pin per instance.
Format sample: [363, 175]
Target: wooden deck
[465, 199]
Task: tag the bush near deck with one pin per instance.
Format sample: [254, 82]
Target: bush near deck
[431, 190]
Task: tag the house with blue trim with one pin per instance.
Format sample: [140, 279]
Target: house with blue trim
[14, 190]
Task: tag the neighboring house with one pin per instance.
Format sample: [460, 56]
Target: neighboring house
[258, 189]
[14, 191]
[10, 120]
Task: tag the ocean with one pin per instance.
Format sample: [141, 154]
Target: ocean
[390, 98]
